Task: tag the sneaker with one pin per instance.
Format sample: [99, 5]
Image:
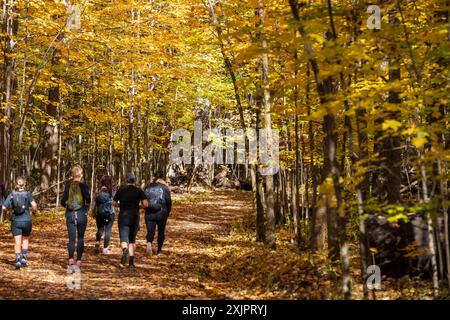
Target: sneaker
[160, 253]
[18, 265]
[24, 262]
[79, 263]
[124, 258]
[97, 248]
[149, 250]
[71, 262]
[132, 268]
[106, 251]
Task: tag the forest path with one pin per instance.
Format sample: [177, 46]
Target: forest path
[185, 271]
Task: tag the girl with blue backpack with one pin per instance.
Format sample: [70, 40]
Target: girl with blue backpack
[20, 201]
[104, 214]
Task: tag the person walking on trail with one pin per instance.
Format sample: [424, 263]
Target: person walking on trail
[76, 200]
[130, 199]
[157, 213]
[20, 201]
[104, 214]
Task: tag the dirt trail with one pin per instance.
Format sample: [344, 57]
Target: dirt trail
[183, 273]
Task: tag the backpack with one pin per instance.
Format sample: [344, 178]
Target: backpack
[75, 199]
[104, 202]
[155, 197]
[20, 202]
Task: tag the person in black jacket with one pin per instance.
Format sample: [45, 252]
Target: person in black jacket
[76, 199]
[157, 213]
[130, 199]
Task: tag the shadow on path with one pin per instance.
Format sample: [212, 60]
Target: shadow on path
[182, 273]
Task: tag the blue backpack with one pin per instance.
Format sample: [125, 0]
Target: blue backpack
[155, 197]
[104, 203]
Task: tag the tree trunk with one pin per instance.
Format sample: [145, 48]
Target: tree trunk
[50, 147]
[10, 24]
[269, 196]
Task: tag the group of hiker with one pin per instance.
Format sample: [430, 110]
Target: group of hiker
[155, 199]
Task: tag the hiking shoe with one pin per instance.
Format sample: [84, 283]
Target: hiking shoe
[18, 265]
[132, 268]
[106, 251]
[125, 256]
[149, 250]
[24, 262]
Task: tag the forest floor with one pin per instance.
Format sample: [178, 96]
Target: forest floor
[210, 253]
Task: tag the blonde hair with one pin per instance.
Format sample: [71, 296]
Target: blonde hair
[77, 172]
[21, 182]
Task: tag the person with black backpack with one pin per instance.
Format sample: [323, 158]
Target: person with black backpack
[20, 201]
[104, 214]
[76, 199]
[158, 210]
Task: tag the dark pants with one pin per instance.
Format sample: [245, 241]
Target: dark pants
[76, 226]
[156, 219]
[129, 225]
[106, 227]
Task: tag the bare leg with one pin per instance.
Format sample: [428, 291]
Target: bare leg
[17, 249]
[18, 244]
[132, 248]
[25, 243]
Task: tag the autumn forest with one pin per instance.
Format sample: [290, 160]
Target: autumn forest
[354, 100]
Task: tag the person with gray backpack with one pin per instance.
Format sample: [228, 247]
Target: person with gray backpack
[158, 210]
[20, 201]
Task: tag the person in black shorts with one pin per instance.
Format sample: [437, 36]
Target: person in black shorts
[129, 198]
[19, 201]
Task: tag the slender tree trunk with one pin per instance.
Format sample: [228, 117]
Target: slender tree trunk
[269, 196]
[444, 194]
[431, 244]
[10, 25]
[58, 173]
[50, 148]
[93, 172]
